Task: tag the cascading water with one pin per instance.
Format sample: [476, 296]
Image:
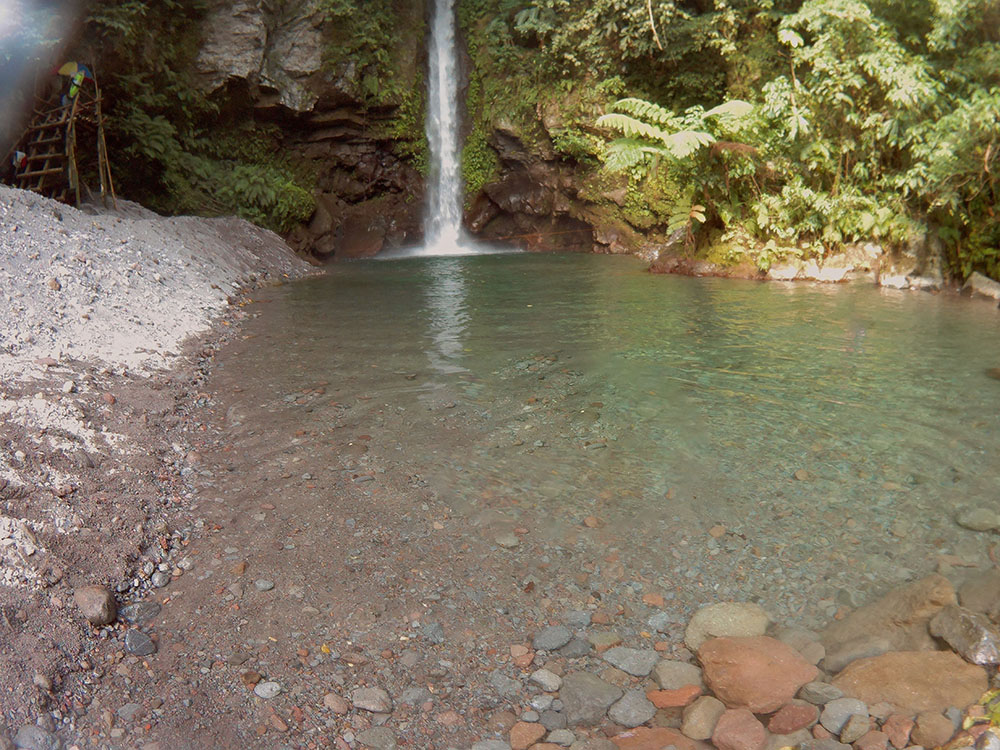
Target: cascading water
[444, 204]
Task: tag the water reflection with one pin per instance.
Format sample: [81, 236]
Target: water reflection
[447, 316]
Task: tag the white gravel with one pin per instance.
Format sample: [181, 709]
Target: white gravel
[120, 290]
[124, 288]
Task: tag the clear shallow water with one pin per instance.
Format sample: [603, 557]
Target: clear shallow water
[546, 389]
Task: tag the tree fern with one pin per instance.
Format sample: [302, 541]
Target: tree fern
[643, 110]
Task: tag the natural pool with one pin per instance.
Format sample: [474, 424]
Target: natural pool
[796, 444]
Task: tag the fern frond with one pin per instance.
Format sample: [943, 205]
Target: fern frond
[643, 110]
[686, 142]
[735, 108]
[625, 153]
[632, 127]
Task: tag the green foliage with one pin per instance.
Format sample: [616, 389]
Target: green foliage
[168, 146]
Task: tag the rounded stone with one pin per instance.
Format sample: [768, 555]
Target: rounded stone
[97, 604]
[725, 619]
[758, 673]
[138, 643]
[637, 662]
[552, 638]
[375, 700]
[632, 710]
[837, 712]
[673, 675]
[932, 729]
[701, 717]
[266, 690]
[739, 729]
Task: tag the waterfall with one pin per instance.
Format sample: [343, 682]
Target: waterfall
[444, 186]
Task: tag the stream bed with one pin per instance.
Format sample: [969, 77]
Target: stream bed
[798, 445]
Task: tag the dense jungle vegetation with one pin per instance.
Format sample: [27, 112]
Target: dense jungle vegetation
[863, 119]
[760, 128]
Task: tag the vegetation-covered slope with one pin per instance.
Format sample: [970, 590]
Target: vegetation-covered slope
[870, 119]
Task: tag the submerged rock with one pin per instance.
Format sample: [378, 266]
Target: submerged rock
[978, 519]
[970, 634]
[758, 673]
[725, 619]
[901, 617]
[914, 681]
[587, 698]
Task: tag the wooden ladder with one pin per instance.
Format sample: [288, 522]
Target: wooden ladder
[50, 147]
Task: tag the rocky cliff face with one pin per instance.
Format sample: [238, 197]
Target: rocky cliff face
[278, 56]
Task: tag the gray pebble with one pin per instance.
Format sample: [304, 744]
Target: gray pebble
[266, 690]
[577, 619]
[553, 720]
[138, 643]
[837, 712]
[632, 710]
[531, 717]
[562, 737]
[576, 649]
[139, 613]
[263, 584]
[820, 693]
[491, 745]
[159, 579]
[638, 662]
[552, 638]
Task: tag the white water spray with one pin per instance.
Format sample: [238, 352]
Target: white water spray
[444, 204]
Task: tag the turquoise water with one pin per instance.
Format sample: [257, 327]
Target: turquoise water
[552, 388]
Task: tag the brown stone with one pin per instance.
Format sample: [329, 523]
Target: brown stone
[872, 741]
[738, 729]
[646, 738]
[932, 729]
[914, 681]
[793, 716]
[897, 728]
[523, 735]
[901, 616]
[674, 698]
[501, 722]
[758, 672]
[97, 604]
[336, 704]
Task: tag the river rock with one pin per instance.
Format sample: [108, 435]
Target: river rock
[546, 680]
[981, 593]
[827, 743]
[820, 693]
[914, 681]
[673, 675]
[969, 634]
[701, 717]
[652, 738]
[932, 729]
[978, 519]
[378, 738]
[586, 698]
[738, 729]
[139, 613]
[838, 712]
[793, 716]
[638, 662]
[758, 673]
[267, 689]
[857, 726]
[901, 617]
[982, 285]
[525, 734]
[842, 654]
[491, 745]
[632, 709]
[872, 740]
[97, 604]
[138, 643]
[552, 638]
[31, 737]
[375, 700]
[725, 619]
[897, 728]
